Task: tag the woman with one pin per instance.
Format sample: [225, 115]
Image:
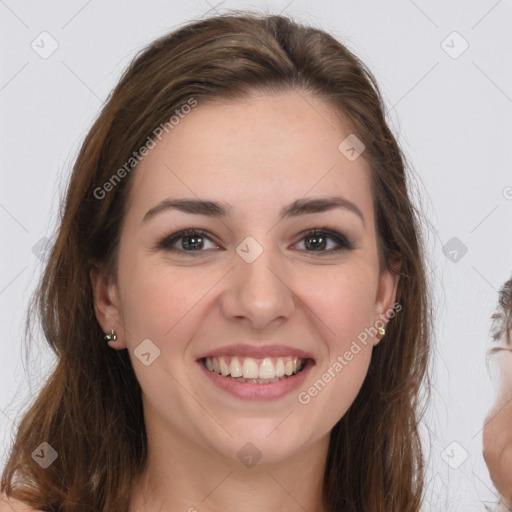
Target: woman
[238, 230]
[497, 434]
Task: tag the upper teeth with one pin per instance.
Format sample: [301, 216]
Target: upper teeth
[249, 368]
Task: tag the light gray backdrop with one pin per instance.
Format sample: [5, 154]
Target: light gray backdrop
[445, 71]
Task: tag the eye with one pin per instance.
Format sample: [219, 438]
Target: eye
[317, 239]
[192, 240]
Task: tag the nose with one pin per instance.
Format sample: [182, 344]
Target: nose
[257, 293]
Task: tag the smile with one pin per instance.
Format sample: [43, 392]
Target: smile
[281, 375]
[255, 371]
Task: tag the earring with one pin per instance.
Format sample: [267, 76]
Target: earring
[110, 337]
[382, 331]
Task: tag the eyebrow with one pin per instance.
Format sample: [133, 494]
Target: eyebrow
[222, 209]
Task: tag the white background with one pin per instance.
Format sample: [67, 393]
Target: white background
[452, 116]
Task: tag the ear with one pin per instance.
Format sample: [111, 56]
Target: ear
[106, 305]
[386, 293]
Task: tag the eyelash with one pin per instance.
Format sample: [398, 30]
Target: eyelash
[343, 242]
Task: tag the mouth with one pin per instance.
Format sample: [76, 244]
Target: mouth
[249, 370]
[248, 378]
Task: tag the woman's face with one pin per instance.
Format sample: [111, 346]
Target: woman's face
[255, 283]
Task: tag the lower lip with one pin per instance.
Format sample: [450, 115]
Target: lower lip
[271, 391]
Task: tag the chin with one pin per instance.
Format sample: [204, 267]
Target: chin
[251, 447]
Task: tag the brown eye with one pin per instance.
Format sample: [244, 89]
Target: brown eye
[317, 240]
[189, 240]
[195, 241]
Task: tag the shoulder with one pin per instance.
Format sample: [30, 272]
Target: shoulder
[12, 505]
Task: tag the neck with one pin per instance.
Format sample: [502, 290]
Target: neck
[180, 475]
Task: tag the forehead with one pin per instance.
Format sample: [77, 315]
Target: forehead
[264, 148]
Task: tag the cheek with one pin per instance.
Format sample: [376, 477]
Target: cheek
[344, 300]
[345, 305]
[158, 298]
[160, 304]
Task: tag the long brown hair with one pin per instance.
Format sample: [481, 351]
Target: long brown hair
[90, 409]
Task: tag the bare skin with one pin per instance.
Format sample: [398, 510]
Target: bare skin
[497, 433]
[258, 155]
[12, 505]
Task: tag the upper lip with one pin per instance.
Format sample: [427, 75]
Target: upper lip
[256, 351]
